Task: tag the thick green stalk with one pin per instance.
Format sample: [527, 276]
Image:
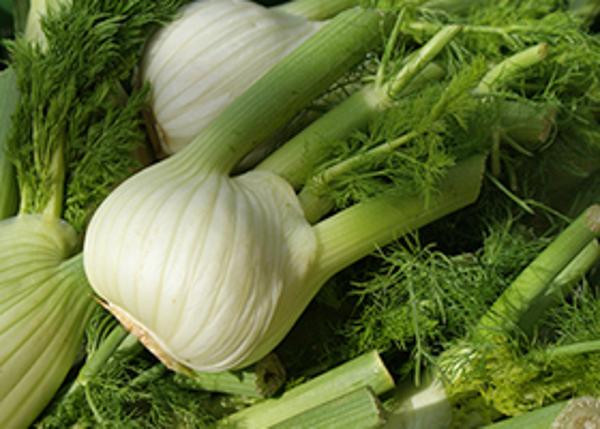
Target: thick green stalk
[8, 185]
[315, 204]
[514, 304]
[295, 159]
[365, 371]
[592, 346]
[526, 127]
[510, 66]
[316, 9]
[54, 206]
[562, 283]
[577, 413]
[146, 377]
[359, 410]
[261, 381]
[359, 230]
[287, 88]
[420, 59]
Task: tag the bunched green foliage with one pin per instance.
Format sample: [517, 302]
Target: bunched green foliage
[76, 126]
[393, 117]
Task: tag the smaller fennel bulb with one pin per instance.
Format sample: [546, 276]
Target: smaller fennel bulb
[44, 304]
[211, 54]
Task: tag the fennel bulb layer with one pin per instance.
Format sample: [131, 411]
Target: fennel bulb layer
[44, 303]
[202, 267]
[202, 61]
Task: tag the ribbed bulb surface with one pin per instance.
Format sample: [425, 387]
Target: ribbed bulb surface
[44, 304]
[201, 266]
[210, 55]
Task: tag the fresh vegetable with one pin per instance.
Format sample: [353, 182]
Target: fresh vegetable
[415, 178]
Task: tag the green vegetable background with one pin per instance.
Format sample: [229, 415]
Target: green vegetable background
[479, 306]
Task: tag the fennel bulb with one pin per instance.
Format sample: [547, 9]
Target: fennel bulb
[209, 269]
[202, 61]
[44, 304]
[212, 271]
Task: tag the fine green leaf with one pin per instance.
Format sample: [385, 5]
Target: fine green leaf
[75, 126]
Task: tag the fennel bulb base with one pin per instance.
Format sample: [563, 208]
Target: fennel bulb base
[144, 336]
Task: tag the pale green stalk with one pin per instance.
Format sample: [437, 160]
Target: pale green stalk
[365, 371]
[8, 185]
[146, 377]
[526, 127]
[315, 205]
[582, 347]
[316, 9]
[562, 283]
[511, 66]
[97, 359]
[264, 379]
[505, 32]
[514, 304]
[422, 406]
[260, 381]
[357, 231]
[294, 160]
[360, 409]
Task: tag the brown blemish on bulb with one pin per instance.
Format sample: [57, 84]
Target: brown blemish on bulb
[145, 338]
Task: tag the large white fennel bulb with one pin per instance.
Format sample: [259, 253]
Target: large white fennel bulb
[212, 53]
[209, 271]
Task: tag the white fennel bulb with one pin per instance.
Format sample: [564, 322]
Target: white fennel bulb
[209, 271]
[211, 54]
